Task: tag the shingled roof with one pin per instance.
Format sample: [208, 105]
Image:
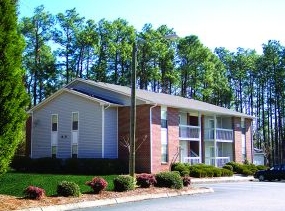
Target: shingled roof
[168, 100]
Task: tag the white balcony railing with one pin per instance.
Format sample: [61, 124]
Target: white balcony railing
[189, 132]
[220, 161]
[221, 134]
[192, 160]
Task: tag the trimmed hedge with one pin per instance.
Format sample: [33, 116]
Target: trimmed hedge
[66, 188]
[169, 180]
[201, 170]
[79, 166]
[124, 183]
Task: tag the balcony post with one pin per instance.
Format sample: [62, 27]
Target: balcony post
[215, 140]
[200, 136]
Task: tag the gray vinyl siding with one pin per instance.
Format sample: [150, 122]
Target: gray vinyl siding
[111, 133]
[90, 132]
[41, 134]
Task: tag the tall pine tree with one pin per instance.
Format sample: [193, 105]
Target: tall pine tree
[13, 97]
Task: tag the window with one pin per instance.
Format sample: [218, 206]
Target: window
[74, 134]
[75, 121]
[164, 136]
[54, 122]
[163, 117]
[74, 150]
[54, 134]
[164, 146]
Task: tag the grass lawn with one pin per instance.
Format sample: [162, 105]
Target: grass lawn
[13, 183]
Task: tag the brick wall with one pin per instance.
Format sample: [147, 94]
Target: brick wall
[248, 138]
[123, 132]
[142, 136]
[156, 140]
[237, 139]
[173, 139]
[143, 154]
[143, 139]
[173, 135]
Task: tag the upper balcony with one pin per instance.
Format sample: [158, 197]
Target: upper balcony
[222, 135]
[188, 132]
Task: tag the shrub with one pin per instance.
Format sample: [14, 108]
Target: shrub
[66, 188]
[124, 183]
[226, 172]
[229, 167]
[145, 180]
[33, 192]
[169, 180]
[237, 167]
[98, 184]
[186, 181]
[261, 167]
[217, 172]
[198, 173]
[185, 173]
[181, 167]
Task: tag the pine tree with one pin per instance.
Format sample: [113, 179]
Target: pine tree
[13, 97]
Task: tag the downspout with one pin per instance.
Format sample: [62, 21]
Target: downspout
[103, 131]
[150, 132]
[215, 140]
[103, 128]
[32, 125]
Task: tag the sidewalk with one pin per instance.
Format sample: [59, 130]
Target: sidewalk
[97, 203]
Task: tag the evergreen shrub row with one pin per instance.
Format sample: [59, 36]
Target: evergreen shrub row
[77, 166]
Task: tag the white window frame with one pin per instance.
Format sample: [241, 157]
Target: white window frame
[74, 134]
[54, 135]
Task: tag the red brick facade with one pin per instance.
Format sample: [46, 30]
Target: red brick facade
[248, 138]
[148, 155]
[238, 140]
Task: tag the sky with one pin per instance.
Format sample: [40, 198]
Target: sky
[217, 23]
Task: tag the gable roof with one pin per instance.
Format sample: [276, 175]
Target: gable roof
[166, 99]
[77, 93]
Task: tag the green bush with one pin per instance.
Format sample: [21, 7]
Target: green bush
[229, 167]
[124, 183]
[169, 180]
[198, 173]
[181, 167]
[226, 172]
[79, 166]
[217, 172]
[245, 169]
[261, 167]
[66, 188]
[185, 173]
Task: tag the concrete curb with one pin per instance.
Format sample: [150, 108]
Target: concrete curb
[235, 178]
[97, 203]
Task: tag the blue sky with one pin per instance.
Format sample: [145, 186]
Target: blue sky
[217, 23]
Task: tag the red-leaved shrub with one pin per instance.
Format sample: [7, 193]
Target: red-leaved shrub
[98, 184]
[186, 181]
[33, 192]
[145, 180]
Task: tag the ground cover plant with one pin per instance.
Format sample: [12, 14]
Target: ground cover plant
[13, 183]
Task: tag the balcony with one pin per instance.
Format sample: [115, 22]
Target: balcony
[222, 135]
[187, 132]
[192, 160]
[220, 161]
